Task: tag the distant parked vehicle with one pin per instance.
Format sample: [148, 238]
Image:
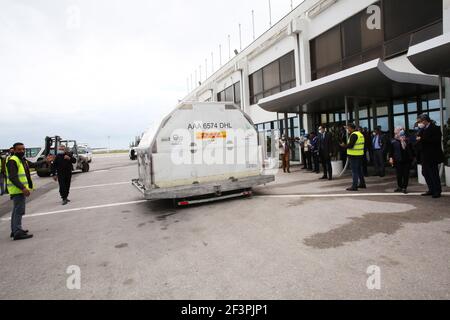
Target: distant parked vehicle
[33, 153]
[85, 152]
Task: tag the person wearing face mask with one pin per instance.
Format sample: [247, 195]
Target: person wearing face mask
[378, 147]
[325, 145]
[401, 156]
[429, 142]
[61, 170]
[308, 153]
[20, 185]
[355, 153]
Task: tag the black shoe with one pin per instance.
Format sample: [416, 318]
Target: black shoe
[20, 235]
[398, 190]
[362, 186]
[12, 233]
[330, 179]
[437, 196]
[68, 200]
[65, 202]
[405, 191]
[352, 189]
[427, 194]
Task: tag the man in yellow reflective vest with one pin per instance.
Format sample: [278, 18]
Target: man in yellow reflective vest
[355, 154]
[20, 185]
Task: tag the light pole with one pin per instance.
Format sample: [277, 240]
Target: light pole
[240, 37]
[270, 14]
[253, 23]
[229, 47]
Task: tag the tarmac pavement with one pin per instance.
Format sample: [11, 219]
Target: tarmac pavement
[298, 238]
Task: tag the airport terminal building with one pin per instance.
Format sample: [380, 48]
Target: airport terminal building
[375, 63]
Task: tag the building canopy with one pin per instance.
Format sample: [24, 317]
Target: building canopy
[432, 56]
[371, 80]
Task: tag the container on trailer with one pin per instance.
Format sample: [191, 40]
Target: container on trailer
[201, 149]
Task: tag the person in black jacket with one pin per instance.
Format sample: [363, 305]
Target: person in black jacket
[325, 152]
[378, 152]
[61, 171]
[401, 156]
[429, 140]
[315, 152]
[367, 146]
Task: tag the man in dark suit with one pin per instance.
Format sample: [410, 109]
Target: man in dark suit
[378, 151]
[325, 151]
[429, 141]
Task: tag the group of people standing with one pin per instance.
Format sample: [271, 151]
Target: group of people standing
[16, 180]
[315, 149]
[357, 145]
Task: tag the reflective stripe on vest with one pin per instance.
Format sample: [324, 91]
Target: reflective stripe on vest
[358, 149]
[12, 189]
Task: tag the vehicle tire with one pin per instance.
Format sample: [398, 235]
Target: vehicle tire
[85, 167]
[43, 173]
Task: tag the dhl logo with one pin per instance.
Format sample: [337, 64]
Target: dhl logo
[211, 135]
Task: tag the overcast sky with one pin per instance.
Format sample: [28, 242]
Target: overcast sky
[89, 69]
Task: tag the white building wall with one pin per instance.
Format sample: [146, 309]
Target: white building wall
[338, 12]
[293, 32]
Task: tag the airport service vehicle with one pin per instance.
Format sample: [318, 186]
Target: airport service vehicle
[51, 146]
[31, 154]
[201, 152]
[85, 152]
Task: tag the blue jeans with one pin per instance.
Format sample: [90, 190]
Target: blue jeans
[356, 164]
[17, 213]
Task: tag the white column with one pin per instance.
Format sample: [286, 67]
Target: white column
[446, 27]
[446, 16]
[447, 98]
[298, 69]
[245, 86]
[304, 69]
[305, 58]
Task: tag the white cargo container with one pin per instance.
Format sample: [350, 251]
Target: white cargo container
[201, 149]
